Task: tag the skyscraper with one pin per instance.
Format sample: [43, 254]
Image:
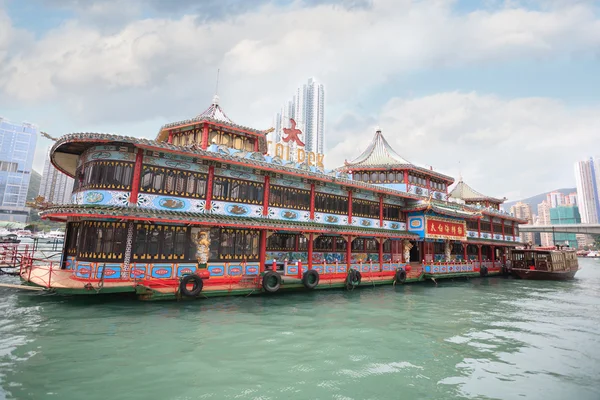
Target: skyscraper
[586, 177]
[565, 215]
[17, 146]
[544, 219]
[56, 187]
[523, 211]
[307, 108]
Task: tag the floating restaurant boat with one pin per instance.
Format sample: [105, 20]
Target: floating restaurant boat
[204, 211]
[544, 263]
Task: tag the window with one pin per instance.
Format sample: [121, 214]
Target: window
[324, 243]
[393, 213]
[173, 182]
[71, 238]
[330, 203]
[281, 242]
[472, 225]
[104, 175]
[364, 208]
[102, 241]
[239, 244]
[340, 244]
[297, 199]
[235, 190]
[486, 226]
[162, 243]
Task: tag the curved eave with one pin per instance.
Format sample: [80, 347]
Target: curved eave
[212, 121]
[387, 167]
[65, 151]
[443, 211]
[480, 199]
[492, 242]
[136, 213]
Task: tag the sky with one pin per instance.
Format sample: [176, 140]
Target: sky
[501, 92]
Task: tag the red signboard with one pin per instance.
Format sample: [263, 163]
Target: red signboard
[443, 229]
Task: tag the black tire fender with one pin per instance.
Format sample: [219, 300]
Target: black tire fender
[186, 280]
[400, 275]
[271, 281]
[310, 279]
[483, 271]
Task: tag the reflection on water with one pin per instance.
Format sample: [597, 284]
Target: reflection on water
[483, 338]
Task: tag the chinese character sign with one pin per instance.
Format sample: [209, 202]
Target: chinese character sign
[443, 229]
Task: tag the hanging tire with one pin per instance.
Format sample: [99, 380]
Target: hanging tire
[271, 281]
[353, 279]
[483, 271]
[400, 275]
[310, 279]
[196, 289]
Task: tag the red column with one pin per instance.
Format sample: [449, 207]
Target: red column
[310, 250]
[256, 144]
[137, 176]
[262, 251]
[380, 211]
[478, 227]
[209, 188]
[493, 257]
[406, 179]
[466, 256]
[381, 254]
[349, 207]
[428, 184]
[312, 201]
[349, 251]
[503, 236]
[266, 196]
[205, 136]
[170, 137]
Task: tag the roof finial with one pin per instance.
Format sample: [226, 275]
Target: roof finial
[216, 96]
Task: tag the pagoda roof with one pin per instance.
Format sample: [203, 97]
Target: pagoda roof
[380, 155]
[465, 192]
[215, 114]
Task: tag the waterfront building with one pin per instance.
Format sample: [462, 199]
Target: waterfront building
[523, 211]
[565, 215]
[17, 147]
[543, 218]
[55, 187]
[588, 197]
[307, 110]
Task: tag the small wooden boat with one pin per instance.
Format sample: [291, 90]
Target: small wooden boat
[554, 263]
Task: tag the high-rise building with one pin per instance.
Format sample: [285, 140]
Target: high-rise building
[586, 177]
[543, 210]
[565, 215]
[571, 199]
[523, 211]
[307, 108]
[17, 147]
[56, 187]
[555, 199]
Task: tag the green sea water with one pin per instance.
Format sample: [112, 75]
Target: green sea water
[492, 338]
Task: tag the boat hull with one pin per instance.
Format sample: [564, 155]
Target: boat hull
[544, 275]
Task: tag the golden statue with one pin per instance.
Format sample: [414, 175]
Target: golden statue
[202, 247]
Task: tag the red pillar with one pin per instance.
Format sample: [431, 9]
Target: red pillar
[256, 144]
[266, 196]
[380, 211]
[205, 136]
[312, 201]
[170, 140]
[478, 227]
[349, 207]
[493, 258]
[503, 236]
[209, 188]
[466, 256]
[310, 251]
[349, 251]
[406, 179]
[428, 184]
[381, 240]
[137, 176]
[263, 251]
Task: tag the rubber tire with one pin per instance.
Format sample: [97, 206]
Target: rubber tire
[483, 271]
[358, 277]
[310, 279]
[267, 277]
[198, 285]
[353, 279]
[400, 275]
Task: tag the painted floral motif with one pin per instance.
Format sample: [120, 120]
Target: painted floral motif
[172, 204]
[94, 197]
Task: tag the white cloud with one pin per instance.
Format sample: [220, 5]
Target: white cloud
[503, 147]
[164, 69]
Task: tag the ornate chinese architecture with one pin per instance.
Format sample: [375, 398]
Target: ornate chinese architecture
[203, 210]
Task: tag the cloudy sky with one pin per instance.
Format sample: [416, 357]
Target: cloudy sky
[504, 91]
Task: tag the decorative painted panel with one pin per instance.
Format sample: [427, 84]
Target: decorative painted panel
[101, 197]
[216, 270]
[365, 222]
[287, 214]
[281, 256]
[113, 271]
[332, 219]
[161, 271]
[236, 209]
[171, 203]
[235, 270]
[416, 224]
[330, 189]
[70, 263]
[138, 271]
[290, 183]
[105, 153]
[178, 162]
[84, 270]
[370, 196]
[186, 269]
[239, 174]
[472, 234]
